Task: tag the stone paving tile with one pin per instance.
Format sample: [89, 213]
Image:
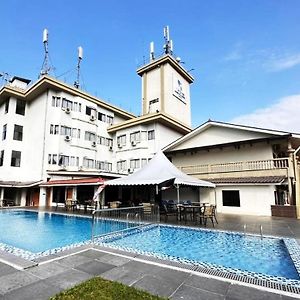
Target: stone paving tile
[114, 259]
[93, 254]
[208, 284]
[123, 275]
[95, 267]
[68, 279]
[16, 280]
[186, 292]
[159, 285]
[39, 290]
[47, 270]
[6, 269]
[238, 292]
[74, 260]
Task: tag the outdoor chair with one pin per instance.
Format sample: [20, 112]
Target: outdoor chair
[208, 212]
[70, 204]
[168, 210]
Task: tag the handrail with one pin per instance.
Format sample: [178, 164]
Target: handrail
[119, 208]
[267, 164]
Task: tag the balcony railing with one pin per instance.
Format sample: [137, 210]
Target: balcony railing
[254, 165]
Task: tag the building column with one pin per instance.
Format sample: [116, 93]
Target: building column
[43, 199]
[23, 197]
[291, 174]
[1, 196]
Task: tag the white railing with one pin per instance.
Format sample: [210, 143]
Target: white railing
[254, 165]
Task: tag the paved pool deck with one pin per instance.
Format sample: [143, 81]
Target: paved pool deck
[71, 267]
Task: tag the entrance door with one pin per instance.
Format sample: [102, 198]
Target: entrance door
[35, 197]
[69, 193]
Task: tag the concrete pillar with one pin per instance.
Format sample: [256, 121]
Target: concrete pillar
[42, 202]
[1, 194]
[291, 174]
[23, 197]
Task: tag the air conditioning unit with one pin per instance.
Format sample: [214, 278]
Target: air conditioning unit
[67, 138]
[92, 118]
[93, 144]
[130, 170]
[133, 143]
[119, 145]
[67, 110]
[110, 148]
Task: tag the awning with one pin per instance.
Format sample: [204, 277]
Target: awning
[159, 170]
[249, 180]
[73, 182]
[19, 184]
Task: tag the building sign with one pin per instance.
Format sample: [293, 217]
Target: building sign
[178, 89]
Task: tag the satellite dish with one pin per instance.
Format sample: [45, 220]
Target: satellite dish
[45, 35]
[80, 52]
[178, 59]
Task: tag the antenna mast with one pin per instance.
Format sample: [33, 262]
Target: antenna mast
[152, 56]
[168, 46]
[80, 56]
[45, 67]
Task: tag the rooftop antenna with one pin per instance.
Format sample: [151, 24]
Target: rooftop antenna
[45, 67]
[80, 56]
[4, 77]
[168, 46]
[152, 56]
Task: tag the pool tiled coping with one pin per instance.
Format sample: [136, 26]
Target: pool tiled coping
[21, 259]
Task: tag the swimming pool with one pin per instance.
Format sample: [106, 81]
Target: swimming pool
[230, 252]
[30, 232]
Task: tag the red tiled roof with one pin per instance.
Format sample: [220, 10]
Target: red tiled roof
[80, 181]
[251, 180]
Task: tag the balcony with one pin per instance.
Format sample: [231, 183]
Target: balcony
[270, 167]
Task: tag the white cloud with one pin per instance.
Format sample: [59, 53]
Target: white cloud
[235, 54]
[283, 63]
[282, 115]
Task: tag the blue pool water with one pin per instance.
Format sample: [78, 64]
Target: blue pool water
[268, 256]
[39, 231]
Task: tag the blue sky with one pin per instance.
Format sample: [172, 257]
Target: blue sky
[245, 54]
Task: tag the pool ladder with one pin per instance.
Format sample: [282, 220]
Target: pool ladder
[260, 230]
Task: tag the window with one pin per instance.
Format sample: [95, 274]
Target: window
[121, 140]
[101, 117]
[135, 136]
[231, 198]
[56, 129]
[90, 136]
[15, 158]
[151, 135]
[79, 107]
[54, 159]
[109, 119]
[66, 103]
[134, 164]
[103, 165]
[63, 160]
[88, 163]
[109, 142]
[144, 161]
[51, 128]
[6, 106]
[64, 130]
[1, 157]
[121, 165]
[20, 108]
[4, 131]
[18, 133]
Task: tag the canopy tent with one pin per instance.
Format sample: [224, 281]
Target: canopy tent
[158, 171]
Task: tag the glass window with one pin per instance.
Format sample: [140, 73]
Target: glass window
[79, 107]
[4, 131]
[121, 165]
[134, 164]
[6, 106]
[144, 161]
[88, 163]
[135, 136]
[64, 130]
[1, 157]
[90, 136]
[15, 158]
[51, 128]
[54, 159]
[78, 135]
[57, 101]
[231, 198]
[56, 129]
[66, 103]
[18, 133]
[121, 140]
[88, 111]
[101, 117]
[49, 159]
[53, 100]
[74, 132]
[151, 135]
[20, 108]
[63, 160]
[109, 119]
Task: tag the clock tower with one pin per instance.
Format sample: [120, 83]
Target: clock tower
[166, 85]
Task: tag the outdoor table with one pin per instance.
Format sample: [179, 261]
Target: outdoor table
[182, 209]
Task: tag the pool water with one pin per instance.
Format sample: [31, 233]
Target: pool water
[249, 253]
[40, 231]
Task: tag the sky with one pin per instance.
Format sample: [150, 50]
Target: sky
[245, 53]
